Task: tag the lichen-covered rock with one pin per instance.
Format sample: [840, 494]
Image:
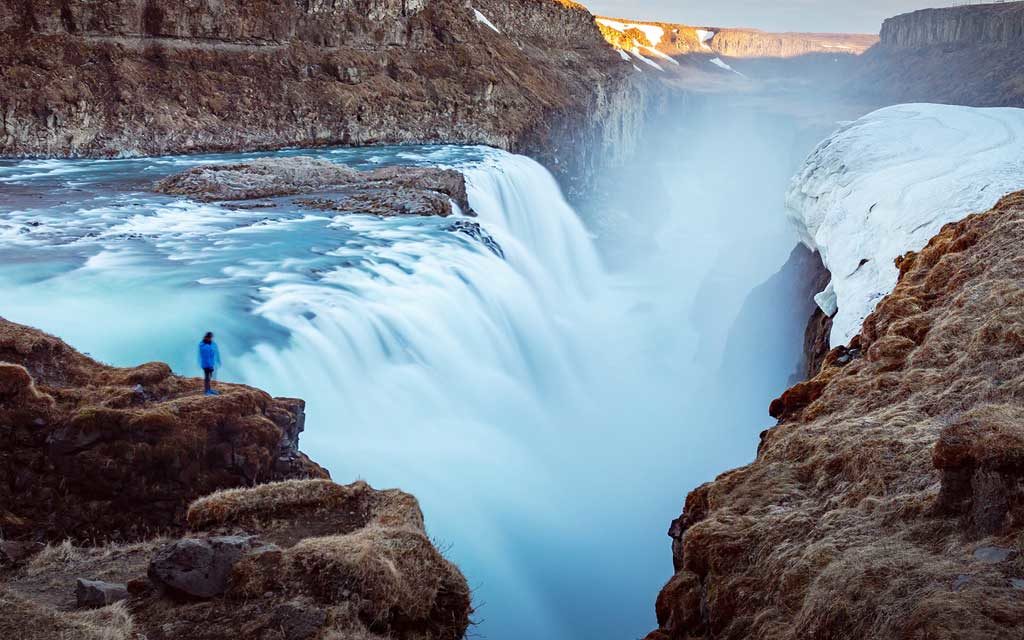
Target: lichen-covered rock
[83, 454]
[886, 503]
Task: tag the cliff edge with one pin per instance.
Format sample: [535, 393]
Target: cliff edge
[174, 514]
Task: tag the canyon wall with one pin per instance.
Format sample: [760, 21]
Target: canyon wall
[886, 503]
[993, 23]
[980, 46]
[134, 77]
[680, 39]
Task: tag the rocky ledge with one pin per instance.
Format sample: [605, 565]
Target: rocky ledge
[295, 560]
[887, 502]
[388, 191]
[134, 506]
[91, 451]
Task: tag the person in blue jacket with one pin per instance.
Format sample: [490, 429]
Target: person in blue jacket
[209, 361]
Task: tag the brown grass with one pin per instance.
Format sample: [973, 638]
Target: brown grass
[23, 620]
[280, 500]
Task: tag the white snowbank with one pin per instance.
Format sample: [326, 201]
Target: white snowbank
[481, 18]
[653, 33]
[887, 183]
[705, 37]
[624, 55]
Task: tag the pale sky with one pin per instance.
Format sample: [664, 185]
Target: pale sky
[852, 16]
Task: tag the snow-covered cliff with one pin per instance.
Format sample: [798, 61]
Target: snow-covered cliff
[885, 184]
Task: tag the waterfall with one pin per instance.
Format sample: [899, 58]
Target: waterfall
[548, 413]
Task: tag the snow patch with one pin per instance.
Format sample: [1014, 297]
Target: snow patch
[639, 56]
[887, 183]
[718, 62]
[482, 19]
[624, 55]
[653, 33]
[705, 37]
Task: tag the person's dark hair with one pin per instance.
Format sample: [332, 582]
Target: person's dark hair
[208, 336]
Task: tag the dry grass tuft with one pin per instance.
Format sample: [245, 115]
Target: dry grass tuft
[59, 555]
[280, 500]
[398, 576]
[23, 620]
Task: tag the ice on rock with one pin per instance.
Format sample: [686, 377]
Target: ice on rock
[887, 183]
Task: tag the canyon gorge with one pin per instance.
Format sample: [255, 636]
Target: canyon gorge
[551, 273]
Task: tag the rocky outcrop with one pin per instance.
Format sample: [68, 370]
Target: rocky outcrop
[424, 191]
[130, 77]
[966, 25]
[296, 560]
[886, 503]
[89, 451]
[978, 45]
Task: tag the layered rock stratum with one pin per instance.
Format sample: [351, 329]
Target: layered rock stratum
[886, 503]
[119, 78]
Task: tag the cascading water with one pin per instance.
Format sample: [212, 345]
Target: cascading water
[548, 415]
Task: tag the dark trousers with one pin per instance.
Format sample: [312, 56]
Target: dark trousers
[207, 377]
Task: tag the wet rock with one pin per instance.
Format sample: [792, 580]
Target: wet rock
[199, 567]
[404, 191]
[961, 582]
[475, 231]
[92, 594]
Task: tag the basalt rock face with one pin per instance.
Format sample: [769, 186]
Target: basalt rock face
[969, 25]
[979, 45]
[295, 560]
[89, 451]
[81, 78]
[887, 502]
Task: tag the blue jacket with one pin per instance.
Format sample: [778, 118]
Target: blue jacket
[209, 356]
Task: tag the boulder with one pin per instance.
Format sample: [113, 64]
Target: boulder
[13, 552]
[92, 594]
[199, 567]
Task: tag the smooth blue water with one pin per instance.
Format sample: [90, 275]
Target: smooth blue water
[549, 415]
